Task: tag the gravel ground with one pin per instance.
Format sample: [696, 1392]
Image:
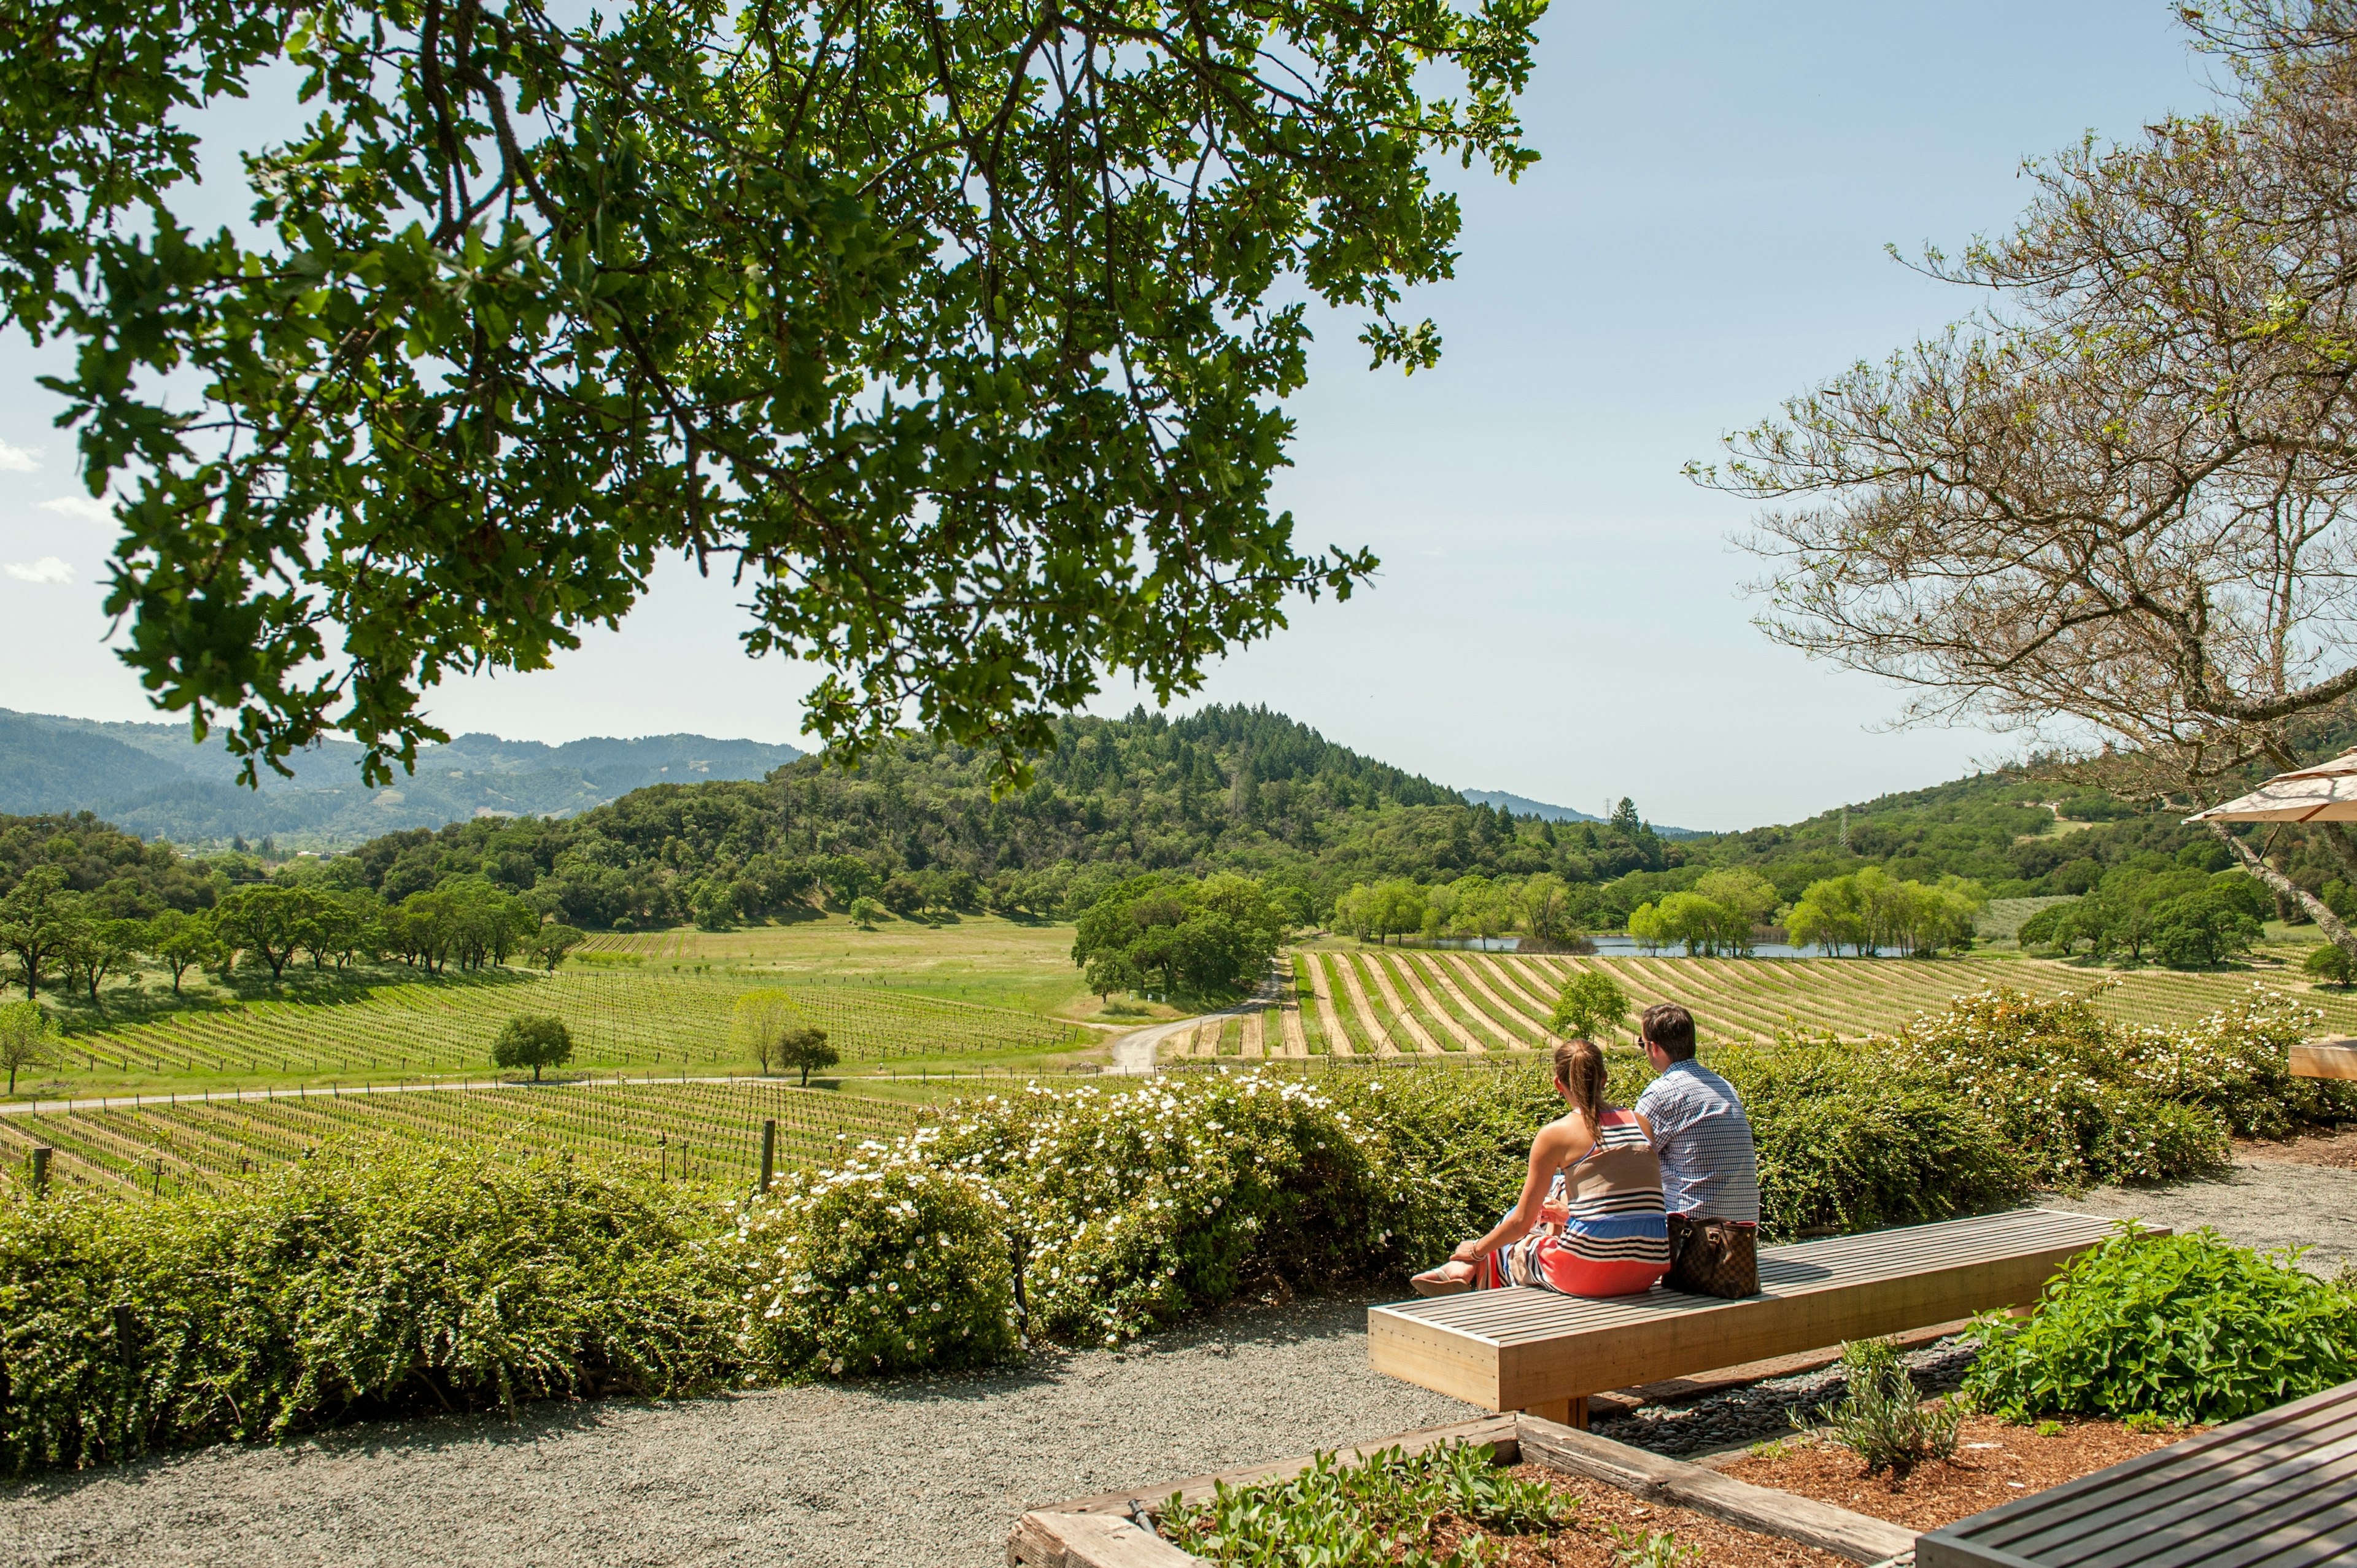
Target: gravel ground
[2262, 1203]
[924, 1473]
[803, 1476]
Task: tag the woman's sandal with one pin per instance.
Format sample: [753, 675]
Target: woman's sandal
[1439, 1281]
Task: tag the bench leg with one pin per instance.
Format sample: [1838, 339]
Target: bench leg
[1571, 1412]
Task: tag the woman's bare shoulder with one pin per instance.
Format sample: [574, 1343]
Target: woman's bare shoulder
[1571, 1128]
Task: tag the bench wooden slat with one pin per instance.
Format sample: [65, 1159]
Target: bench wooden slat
[1512, 1349]
[2235, 1491]
[2335, 1056]
[2274, 1490]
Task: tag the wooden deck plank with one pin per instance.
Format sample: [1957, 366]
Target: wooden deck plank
[1511, 1350]
[2274, 1490]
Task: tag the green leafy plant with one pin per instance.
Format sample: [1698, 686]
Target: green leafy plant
[2085, 1100]
[1883, 1418]
[2054, 1428]
[1651, 1549]
[2185, 1328]
[1387, 1507]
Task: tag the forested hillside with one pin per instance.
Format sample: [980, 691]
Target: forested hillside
[1228, 788]
[1233, 789]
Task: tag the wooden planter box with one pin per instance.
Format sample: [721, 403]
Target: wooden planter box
[1113, 1529]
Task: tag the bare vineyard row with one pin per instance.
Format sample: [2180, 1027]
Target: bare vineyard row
[1408, 1002]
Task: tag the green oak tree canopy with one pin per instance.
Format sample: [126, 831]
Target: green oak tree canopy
[957, 334]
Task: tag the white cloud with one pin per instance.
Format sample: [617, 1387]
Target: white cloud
[48, 569]
[16, 460]
[83, 507]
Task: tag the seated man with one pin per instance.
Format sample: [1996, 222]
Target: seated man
[1710, 1178]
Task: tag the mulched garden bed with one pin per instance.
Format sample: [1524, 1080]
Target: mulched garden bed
[1996, 1462]
[1589, 1543]
[2336, 1146]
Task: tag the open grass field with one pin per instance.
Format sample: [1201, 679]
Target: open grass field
[1023, 966]
[628, 1018]
[1387, 1001]
[698, 1132]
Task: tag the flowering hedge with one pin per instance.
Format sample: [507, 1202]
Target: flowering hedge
[2088, 1101]
[339, 1287]
[347, 1285]
[883, 1266]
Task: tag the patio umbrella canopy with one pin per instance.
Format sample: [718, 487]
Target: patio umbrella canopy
[2324, 793]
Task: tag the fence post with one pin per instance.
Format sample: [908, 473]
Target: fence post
[769, 1151]
[40, 1169]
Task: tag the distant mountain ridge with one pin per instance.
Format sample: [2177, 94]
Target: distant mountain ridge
[151, 779]
[1523, 806]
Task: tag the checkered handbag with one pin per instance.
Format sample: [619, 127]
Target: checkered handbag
[1713, 1257]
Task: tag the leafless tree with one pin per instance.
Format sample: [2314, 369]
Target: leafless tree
[2114, 511]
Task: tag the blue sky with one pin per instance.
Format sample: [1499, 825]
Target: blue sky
[1560, 614]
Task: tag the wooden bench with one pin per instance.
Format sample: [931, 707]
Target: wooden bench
[2279, 1488]
[2335, 1056]
[1522, 1348]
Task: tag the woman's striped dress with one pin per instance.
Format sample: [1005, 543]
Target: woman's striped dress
[1614, 1239]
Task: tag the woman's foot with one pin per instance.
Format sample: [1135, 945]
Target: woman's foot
[1447, 1280]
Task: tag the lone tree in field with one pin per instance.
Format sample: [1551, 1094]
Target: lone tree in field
[804, 1047]
[759, 1023]
[534, 1040]
[961, 335]
[1113, 970]
[1591, 1005]
[551, 942]
[865, 912]
[2116, 512]
[27, 1038]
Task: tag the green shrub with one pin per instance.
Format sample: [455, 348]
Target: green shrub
[1882, 1417]
[1383, 1508]
[1849, 1140]
[2329, 965]
[1132, 1210]
[2184, 1327]
[2237, 1064]
[884, 1265]
[2085, 1100]
[412, 1281]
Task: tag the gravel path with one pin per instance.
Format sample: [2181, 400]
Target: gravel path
[2262, 1203]
[803, 1476]
[924, 1473]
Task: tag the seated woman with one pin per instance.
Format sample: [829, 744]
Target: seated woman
[1591, 1220]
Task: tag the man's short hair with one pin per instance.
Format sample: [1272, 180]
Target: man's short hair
[1670, 1027]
